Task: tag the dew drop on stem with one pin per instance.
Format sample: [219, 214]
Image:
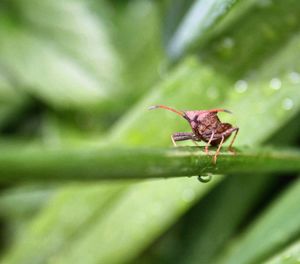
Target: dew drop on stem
[294, 77]
[287, 104]
[241, 86]
[205, 178]
[275, 83]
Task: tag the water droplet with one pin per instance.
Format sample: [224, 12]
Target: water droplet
[287, 104]
[275, 83]
[188, 195]
[241, 86]
[205, 178]
[228, 43]
[294, 77]
[212, 92]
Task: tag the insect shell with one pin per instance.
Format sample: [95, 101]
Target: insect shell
[206, 126]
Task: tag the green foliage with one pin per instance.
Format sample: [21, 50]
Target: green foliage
[199, 18]
[288, 255]
[270, 231]
[76, 79]
[221, 217]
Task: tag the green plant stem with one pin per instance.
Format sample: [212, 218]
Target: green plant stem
[136, 163]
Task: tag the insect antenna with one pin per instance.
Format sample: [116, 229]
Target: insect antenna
[219, 110]
[181, 113]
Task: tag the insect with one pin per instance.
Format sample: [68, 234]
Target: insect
[206, 126]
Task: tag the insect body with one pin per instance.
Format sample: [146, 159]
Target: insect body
[206, 126]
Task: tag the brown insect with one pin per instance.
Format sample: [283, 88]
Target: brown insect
[206, 126]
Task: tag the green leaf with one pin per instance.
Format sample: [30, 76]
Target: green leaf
[71, 211]
[201, 16]
[278, 225]
[225, 208]
[253, 37]
[24, 201]
[143, 56]
[11, 99]
[61, 68]
[68, 25]
[289, 255]
[149, 208]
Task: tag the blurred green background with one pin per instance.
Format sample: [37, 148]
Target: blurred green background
[79, 74]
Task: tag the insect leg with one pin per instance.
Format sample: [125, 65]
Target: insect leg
[180, 136]
[230, 148]
[173, 141]
[209, 141]
[218, 150]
